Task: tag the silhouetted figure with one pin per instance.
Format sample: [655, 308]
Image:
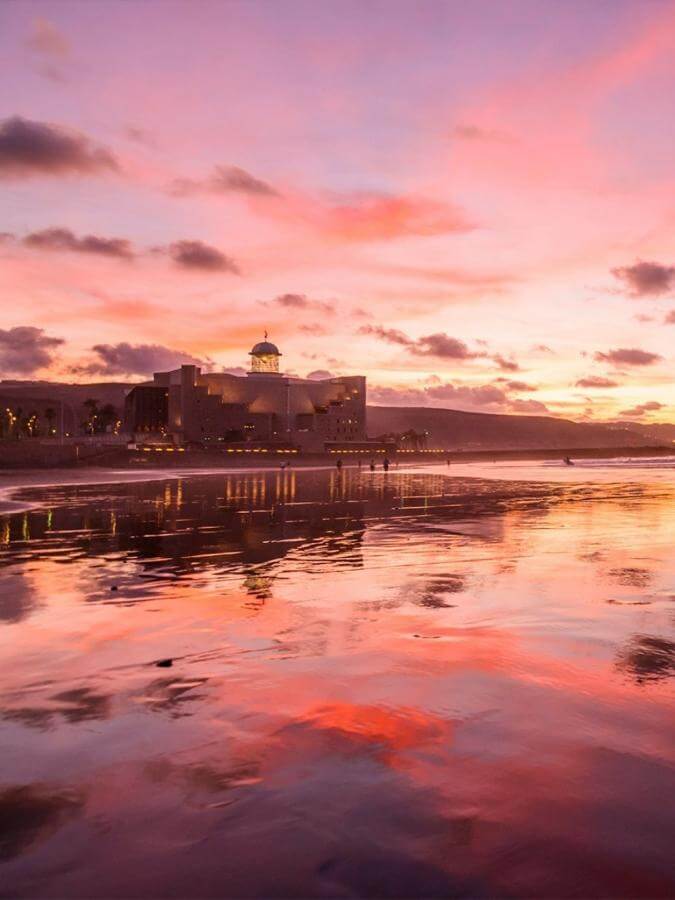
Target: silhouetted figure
[385, 464]
[372, 465]
[339, 464]
[568, 461]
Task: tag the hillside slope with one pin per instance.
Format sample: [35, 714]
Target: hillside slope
[74, 394]
[451, 429]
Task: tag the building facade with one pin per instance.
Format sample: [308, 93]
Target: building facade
[265, 406]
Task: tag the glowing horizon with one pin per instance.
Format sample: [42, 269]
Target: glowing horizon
[472, 207]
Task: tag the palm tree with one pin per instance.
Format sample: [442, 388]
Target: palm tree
[50, 415]
[91, 405]
[32, 425]
[108, 417]
[6, 423]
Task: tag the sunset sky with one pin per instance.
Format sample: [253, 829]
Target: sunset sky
[471, 203]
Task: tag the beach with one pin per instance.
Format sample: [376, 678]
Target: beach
[439, 681]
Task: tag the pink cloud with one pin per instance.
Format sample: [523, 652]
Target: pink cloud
[596, 381]
[368, 217]
[646, 279]
[628, 356]
[642, 409]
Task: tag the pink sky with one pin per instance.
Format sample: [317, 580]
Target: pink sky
[472, 204]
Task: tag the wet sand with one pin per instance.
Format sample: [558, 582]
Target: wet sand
[380, 686]
[13, 482]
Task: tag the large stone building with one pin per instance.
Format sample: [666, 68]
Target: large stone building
[191, 406]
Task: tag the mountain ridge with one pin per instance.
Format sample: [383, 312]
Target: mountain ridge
[450, 429]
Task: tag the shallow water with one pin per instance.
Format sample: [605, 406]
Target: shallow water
[410, 685]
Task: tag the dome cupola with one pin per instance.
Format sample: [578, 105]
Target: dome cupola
[265, 358]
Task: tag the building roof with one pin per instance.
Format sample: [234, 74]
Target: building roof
[265, 348]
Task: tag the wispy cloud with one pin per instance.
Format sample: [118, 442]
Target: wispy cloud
[507, 365]
[439, 345]
[468, 132]
[301, 301]
[223, 180]
[596, 381]
[641, 409]
[46, 39]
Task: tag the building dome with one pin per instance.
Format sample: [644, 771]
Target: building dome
[265, 348]
[264, 358]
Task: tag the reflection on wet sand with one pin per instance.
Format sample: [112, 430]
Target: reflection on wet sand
[648, 658]
[392, 686]
[30, 814]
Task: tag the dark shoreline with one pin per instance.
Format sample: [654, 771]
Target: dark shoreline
[223, 459]
[73, 456]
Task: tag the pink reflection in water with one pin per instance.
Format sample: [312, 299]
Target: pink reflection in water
[400, 686]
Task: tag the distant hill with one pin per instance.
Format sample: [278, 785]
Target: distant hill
[39, 396]
[661, 431]
[451, 429]
[74, 394]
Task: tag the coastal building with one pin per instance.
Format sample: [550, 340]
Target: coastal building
[265, 405]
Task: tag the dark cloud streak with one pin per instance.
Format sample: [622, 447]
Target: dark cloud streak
[438, 345]
[638, 411]
[197, 255]
[223, 180]
[596, 381]
[627, 356]
[25, 349]
[30, 148]
[136, 359]
[63, 239]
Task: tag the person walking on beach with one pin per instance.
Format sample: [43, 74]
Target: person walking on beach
[385, 464]
[338, 464]
[372, 465]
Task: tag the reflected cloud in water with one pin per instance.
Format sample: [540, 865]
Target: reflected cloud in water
[30, 814]
[647, 658]
[379, 686]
